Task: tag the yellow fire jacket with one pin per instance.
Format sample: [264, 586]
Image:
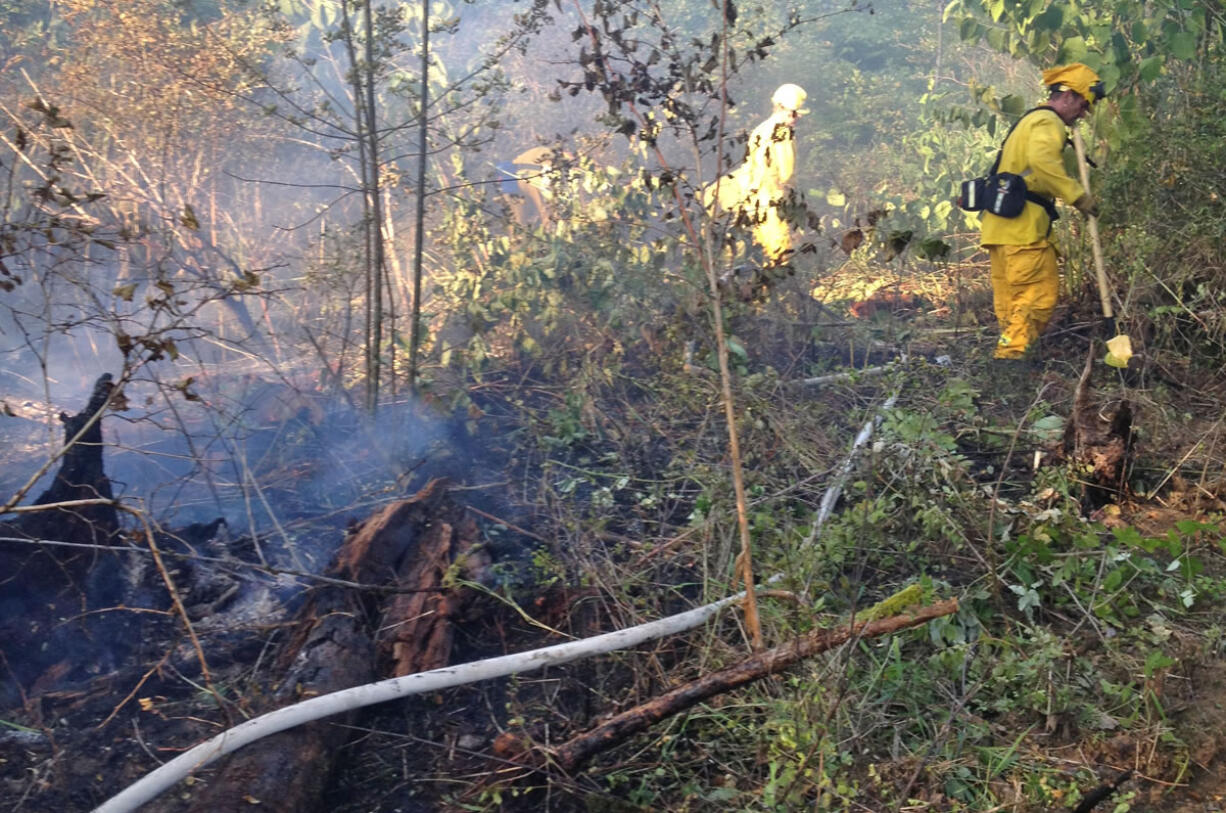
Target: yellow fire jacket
[766, 174]
[1036, 144]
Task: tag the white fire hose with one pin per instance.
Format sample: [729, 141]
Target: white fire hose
[179, 768]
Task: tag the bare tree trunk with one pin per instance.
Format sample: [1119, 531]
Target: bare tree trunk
[374, 219]
[362, 83]
[419, 237]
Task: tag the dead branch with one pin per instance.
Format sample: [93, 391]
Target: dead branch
[831, 497]
[579, 749]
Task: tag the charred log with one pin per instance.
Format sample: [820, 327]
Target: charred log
[344, 637]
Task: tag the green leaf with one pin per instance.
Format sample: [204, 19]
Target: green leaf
[1049, 428]
[836, 198]
[1072, 49]
[1151, 68]
[1156, 662]
[1183, 45]
[1131, 115]
[1013, 105]
[1052, 19]
[1110, 74]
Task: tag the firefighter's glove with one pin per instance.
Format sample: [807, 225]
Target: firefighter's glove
[1086, 205]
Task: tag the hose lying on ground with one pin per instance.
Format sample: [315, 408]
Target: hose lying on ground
[179, 768]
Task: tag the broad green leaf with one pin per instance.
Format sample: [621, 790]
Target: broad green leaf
[1052, 19]
[1151, 68]
[1049, 428]
[1013, 105]
[1156, 662]
[1183, 45]
[836, 198]
[1110, 74]
[1072, 49]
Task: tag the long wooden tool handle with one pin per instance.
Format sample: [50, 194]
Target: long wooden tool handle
[1099, 271]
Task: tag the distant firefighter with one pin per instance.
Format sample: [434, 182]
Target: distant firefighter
[756, 191]
[527, 182]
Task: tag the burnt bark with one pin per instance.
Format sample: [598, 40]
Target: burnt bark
[407, 546]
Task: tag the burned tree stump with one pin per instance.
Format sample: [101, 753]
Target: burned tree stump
[1098, 443]
[42, 583]
[401, 554]
[81, 477]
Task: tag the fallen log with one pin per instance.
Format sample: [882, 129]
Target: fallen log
[335, 645]
[577, 750]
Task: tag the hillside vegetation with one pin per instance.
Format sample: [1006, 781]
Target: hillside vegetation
[299, 264]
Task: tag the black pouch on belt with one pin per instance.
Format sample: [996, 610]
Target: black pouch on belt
[1006, 194]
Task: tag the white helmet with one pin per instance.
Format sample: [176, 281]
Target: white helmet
[790, 97]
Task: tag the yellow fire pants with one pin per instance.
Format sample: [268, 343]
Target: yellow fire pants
[774, 235]
[1025, 287]
[771, 231]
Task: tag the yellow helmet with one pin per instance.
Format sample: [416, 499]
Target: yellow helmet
[790, 97]
[1078, 78]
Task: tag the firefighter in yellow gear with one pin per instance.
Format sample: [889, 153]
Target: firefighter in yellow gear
[1024, 271]
[755, 191]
